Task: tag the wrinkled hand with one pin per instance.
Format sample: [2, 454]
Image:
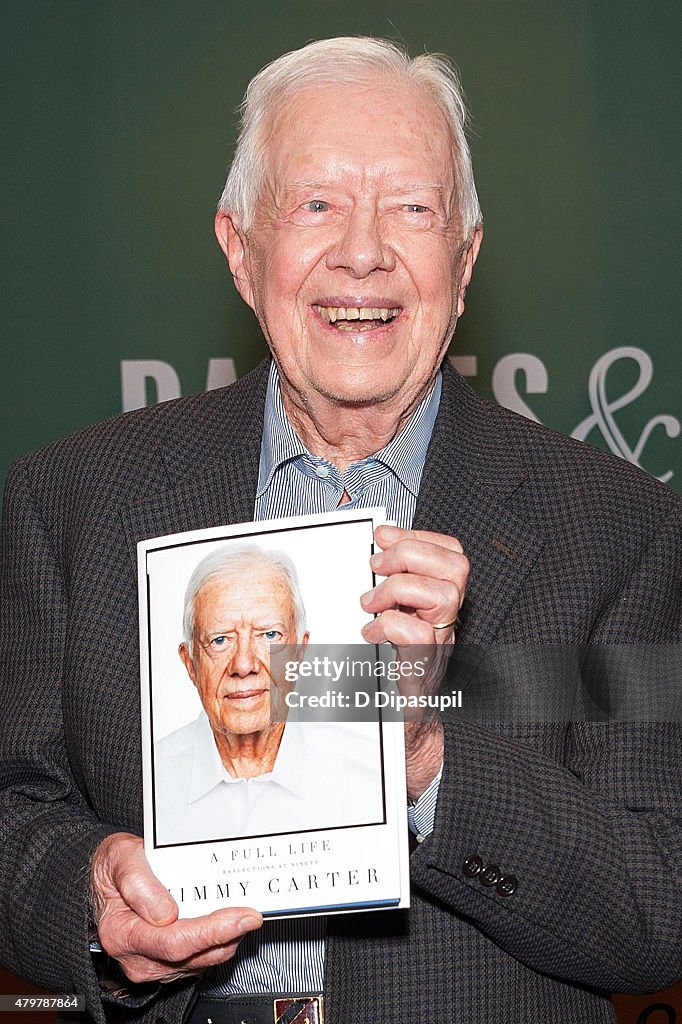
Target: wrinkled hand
[137, 920]
[426, 577]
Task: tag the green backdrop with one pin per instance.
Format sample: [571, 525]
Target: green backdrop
[119, 124]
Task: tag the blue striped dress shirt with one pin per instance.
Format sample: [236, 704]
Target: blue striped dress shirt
[288, 955]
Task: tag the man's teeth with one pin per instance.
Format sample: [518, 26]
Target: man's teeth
[333, 313]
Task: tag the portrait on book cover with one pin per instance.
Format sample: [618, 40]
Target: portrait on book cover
[233, 756]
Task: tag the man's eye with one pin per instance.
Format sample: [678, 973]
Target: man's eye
[218, 642]
[316, 206]
[416, 208]
[272, 635]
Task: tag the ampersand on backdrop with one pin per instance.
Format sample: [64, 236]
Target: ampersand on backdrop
[602, 409]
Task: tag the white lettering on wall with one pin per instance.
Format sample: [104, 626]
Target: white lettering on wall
[136, 373]
[139, 377]
[466, 365]
[504, 381]
[602, 416]
[221, 372]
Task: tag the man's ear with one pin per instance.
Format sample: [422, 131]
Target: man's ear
[469, 258]
[186, 659]
[301, 645]
[233, 242]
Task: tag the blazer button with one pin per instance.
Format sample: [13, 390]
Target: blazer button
[472, 866]
[490, 875]
[507, 885]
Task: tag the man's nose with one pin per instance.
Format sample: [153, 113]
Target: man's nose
[362, 246]
[244, 660]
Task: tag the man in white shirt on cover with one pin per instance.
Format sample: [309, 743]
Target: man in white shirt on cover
[246, 766]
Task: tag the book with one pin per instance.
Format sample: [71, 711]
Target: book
[272, 776]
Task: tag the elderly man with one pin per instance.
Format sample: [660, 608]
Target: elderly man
[546, 874]
[246, 766]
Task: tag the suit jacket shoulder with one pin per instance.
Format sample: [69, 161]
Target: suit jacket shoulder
[128, 456]
[548, 523]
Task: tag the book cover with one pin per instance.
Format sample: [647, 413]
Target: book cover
[272, 778]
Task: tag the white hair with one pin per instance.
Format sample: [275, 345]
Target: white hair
[232, 558]
[350, 60]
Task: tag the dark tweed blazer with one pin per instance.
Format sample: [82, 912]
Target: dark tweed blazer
[566, 545]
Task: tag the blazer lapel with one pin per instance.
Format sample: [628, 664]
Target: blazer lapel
[470, 476]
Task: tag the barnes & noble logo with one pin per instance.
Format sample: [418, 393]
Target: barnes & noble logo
[147, 381]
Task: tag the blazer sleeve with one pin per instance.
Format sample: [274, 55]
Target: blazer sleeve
[584, 817]
[49, 832]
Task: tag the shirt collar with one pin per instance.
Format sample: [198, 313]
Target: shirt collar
[280, 441]
[404, 455]
[208, 770]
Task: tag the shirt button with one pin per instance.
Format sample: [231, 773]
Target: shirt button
[507, 885]
[472, 866]
[322, 471]
[490, 875]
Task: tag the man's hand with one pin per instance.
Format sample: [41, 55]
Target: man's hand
[417, 606]
[426, 576]
[137, 920]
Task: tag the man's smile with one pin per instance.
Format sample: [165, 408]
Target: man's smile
[358, 318]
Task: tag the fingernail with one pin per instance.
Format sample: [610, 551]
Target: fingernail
[161, 909]
[366, 598]
[248, 923]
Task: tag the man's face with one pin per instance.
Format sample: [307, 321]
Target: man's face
[236, 622]
[357, 219]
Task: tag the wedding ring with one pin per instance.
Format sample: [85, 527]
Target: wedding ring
[444, 625]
